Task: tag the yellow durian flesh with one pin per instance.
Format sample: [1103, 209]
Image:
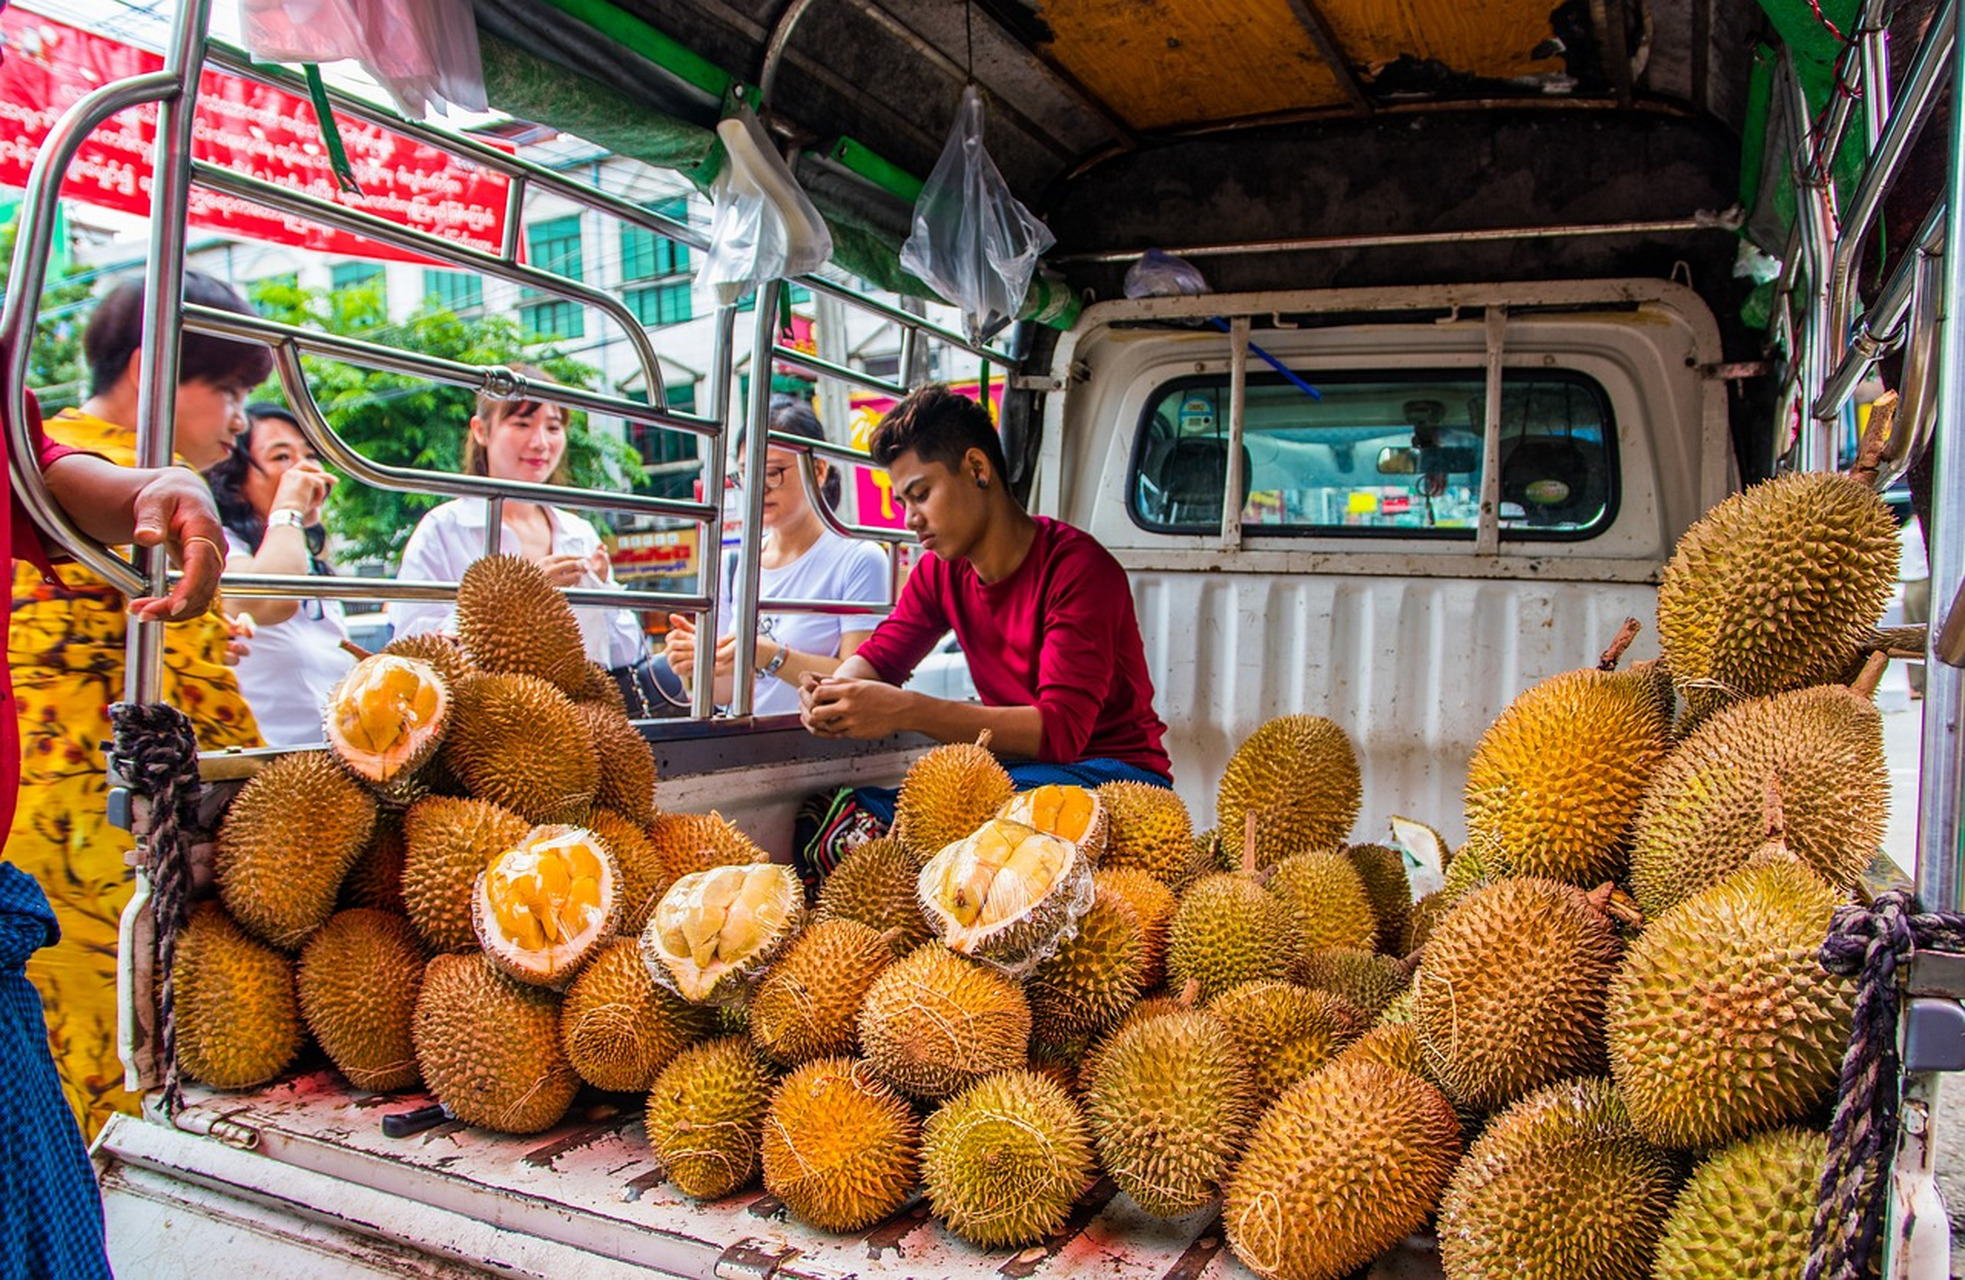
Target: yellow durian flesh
[1007, 893]
[543, 906]
[386, 716]
[1070, 813]
[714, 929]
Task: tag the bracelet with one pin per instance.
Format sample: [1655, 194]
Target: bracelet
[771, 667]
[284, 516]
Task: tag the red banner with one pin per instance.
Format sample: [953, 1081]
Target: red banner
[241, 126]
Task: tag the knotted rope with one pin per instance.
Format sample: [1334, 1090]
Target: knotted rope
[1870, 945]
[155, 753]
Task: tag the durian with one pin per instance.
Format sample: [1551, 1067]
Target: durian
[643, 877]
[1006, 893]
[358, 980]
[1004, 1160]
[1070, 813]
[1510, 991]
[841, 1149]
[685, 843]
[1284, 1032]
[1093, 977]
[1558, 1187]
[517, 742]
[1153, 906]
[1326, 899]
[618, 1028]
[1148, 829]
[875, 885]
[489, 1048]
[1343, 1166]
[444, 653]
[627, 767]
[385, 719]
[934, 1023]
[545, 905]
[714, 930]
[1170, 1099]
[1229, 930]
[948, 793]
[515, 622]
[376, 879]
[289, 838]
[449, 842]
[1776, 588]
[807, 1005]
[1382, 870]
[1748, 1209]
[1363, 980]
[705, 1116]
[1299, 776]
[238, 1020]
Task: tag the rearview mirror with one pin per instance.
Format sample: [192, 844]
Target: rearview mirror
[1397, 460]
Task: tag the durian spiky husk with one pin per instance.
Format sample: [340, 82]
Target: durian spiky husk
[1557, 1187]
[1170, 1100]
[934, 1023]
[600, 690]
[643, 877]
[1721, 1019]
[1149, 829]
[1229, 930]
[489, 1048]
[1299, 776]
[514, 622]
[1748, 1209]
[287, 842]
[376, 879]
[627, 766]
[516, 741]
[685, 843]
[705, 1116]
[238, 1019]
[449, 842]
[1093, 977]
[1427, 913]
[1153, 906]
[358, 980]
[948, 793]
[841, 1149]
[1775, 588]
[1284, 1031]
[618, 1028]
[1365, 981]
[1343, 1166]
[1003, 1161]
[1701, 818]
[1556, 780]
[808, 1004]
[875, 884]
[443, 652]
[1382, 869]
[1326, 898]
[1510, 991]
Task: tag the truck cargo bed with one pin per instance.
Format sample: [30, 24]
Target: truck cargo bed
[296, 1180]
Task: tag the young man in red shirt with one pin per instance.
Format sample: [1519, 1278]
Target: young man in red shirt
[1043, 612]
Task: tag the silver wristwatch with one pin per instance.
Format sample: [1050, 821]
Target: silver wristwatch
[284, 515]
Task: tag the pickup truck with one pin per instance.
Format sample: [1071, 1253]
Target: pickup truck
[1478, 356]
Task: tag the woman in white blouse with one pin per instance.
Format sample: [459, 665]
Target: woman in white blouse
[526, 440]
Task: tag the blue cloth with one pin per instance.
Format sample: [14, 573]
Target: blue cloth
[50, 1208]
[879, 801]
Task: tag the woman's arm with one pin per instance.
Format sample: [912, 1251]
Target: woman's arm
[167, 506]
[427, 557]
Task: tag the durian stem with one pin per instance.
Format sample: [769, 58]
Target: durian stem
[982, 739]
[1774, 818]
[1865, 684]
[1615, 653]
[1248, 841]
[1905, 644]
[360, 653]
[1869, 455]
[1190, 995]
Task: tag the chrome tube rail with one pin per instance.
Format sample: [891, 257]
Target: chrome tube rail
[1881, 327]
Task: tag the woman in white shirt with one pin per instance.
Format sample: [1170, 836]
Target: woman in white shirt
[269, 493]
[801, 560]
[526, 440]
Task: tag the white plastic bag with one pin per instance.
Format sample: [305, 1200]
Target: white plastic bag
[762, 224]
[1159, 274]
[973, 241]
[424, 52]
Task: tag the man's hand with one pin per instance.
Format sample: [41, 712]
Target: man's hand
[832, 707]
[175, 510]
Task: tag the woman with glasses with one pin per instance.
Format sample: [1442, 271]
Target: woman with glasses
[526, 440]
[269, 490]
[801, 560]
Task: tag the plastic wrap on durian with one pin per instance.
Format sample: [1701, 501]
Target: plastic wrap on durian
[1008, 895]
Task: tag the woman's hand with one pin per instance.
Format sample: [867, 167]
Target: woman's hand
[680, 650]
[174, 510]
[304, 487]
[566, 571]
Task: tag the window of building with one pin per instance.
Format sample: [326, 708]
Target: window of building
[459, 291]
[1396, 456]
[553, 318]
[554, 245]
[647, 256]
[660, 304]
[356, 275]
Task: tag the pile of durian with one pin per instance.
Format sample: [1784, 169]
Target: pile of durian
[1603, 1048]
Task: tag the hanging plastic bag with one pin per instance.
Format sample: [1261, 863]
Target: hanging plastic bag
[1159, 274]
[762, 225]
[424, 52]
[973, 241]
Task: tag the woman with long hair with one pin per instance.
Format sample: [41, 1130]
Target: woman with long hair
[801, 559]
[526, 440]
[66, 654]
[269, 491]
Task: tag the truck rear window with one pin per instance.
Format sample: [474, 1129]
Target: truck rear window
[1392, 457]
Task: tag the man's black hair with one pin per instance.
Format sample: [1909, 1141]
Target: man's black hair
[116, 330]
[938, 425]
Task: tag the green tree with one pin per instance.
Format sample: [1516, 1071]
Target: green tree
[412, 422]
[56, 370]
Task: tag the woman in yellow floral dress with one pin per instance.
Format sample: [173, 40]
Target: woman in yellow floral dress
[66, 654]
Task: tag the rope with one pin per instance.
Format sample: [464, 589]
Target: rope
[1869, 945]
[156, 755]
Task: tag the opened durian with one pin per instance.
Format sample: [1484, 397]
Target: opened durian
[1006, 893]
[545, 905]
[386, 718]
[1070, 813]
[715, 929]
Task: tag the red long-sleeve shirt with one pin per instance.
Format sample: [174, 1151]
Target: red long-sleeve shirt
[1058, 634]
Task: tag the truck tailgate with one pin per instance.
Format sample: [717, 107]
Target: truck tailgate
[296, 1180]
